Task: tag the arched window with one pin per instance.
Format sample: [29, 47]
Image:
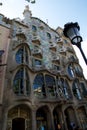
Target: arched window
[63, 88]
[41, 119]
[21, 83]
[22, 55]
[71, 71]
[48, 35]
[34, 28]
[76, 90]
[60, 88]
[67, 91]
[38, 86]
[78, 71]
[84, 89]
[50, 85]
[82, 117]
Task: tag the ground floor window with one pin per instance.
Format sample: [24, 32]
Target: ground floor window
[19, 118]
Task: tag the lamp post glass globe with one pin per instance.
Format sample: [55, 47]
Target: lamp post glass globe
[71, 30]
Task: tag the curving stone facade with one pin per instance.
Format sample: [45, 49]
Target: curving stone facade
[42, 82]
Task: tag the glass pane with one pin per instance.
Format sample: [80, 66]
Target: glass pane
[19, 83]
[27, 82]
[76, 90]
[34, 28]
[84, 90]
[49, 35]
[38, 85]
[50, 84]
[19, 56]
[37, 62]
[26, 55]
[71, 71]
[41, 120]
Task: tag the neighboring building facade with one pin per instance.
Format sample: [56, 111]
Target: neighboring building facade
[42, 83]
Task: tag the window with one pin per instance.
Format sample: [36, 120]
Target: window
[34, 29]
[60, 87]
[19, 56]
[38, 86]
[22, 55]
[1, 53]
[21, 82]
[0, 59]
[84, 89]
[67, 91]
[76, 90]
[78, 71]
[71, 71]
[56, 38]
[55, 67]
[63, 87]
[64, 90]
[65, 41]
[49, 36]
[50, 84]
[37, 62]
[41, 119]
[82, 118]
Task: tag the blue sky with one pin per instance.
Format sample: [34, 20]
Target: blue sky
[56, 13]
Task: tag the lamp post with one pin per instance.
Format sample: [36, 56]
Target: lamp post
[71, 30]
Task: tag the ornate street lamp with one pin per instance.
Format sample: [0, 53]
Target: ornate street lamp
[71, 30]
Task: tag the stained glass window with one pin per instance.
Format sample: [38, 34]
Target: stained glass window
[38, 85]
[76, 90]
[50, 84]
[22, 55]
[21, 86]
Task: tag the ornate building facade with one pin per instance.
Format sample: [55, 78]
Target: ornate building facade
[42, 83]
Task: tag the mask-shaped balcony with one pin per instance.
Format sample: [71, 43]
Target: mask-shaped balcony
[37, 51]
[36, 39]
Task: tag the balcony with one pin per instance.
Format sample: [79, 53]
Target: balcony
[20, 31]
[37, 51]
[72, 59]
[62, 50]
[55, 69]
[41, 26]
[69, 49]
[52, 46]
[36, 39]
[55, 58]
[59, 41]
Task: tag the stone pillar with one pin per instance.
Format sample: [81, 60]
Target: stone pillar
[4, 119]
[33, 119]
[51, 121]
[0, 117]
[64, 123]
[77, 118]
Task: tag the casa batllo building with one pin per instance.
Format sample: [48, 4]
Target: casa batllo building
[42, 86]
